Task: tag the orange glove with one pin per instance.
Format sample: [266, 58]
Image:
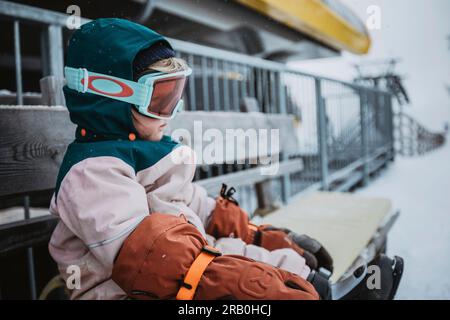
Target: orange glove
[166, 257]
[229, 220]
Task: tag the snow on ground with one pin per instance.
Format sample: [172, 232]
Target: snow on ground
[420, 188]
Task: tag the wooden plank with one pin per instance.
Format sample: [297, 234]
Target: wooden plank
[264, 191]
[33, 140]
[51, 88]
[15, 214]
[249, 176]
[350, 181]
[265, 198]
[249, 104]
[29, 98]
[32, 144]
[196, 123]
[26, 233]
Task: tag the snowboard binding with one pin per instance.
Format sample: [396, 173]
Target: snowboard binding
[359, 285]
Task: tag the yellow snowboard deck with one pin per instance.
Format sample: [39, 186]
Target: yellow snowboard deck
[342, 222]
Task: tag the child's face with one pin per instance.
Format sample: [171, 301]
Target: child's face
[148, 128]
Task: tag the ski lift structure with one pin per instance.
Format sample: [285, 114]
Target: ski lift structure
[411, 137]
[369, 74]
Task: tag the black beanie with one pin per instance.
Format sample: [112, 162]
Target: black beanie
[148, 56]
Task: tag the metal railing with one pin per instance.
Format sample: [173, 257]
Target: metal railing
[342, 126]
[345, 130]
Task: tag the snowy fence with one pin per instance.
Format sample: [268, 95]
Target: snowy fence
[412, 139]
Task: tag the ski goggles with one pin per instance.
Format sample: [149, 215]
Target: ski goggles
[157, 95]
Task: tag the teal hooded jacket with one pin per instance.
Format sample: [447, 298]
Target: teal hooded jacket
[108, 185]
[108, 46]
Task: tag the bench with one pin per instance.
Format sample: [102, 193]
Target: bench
[354, 229]
[33, 141]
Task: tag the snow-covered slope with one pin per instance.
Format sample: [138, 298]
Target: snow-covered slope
[420, 188]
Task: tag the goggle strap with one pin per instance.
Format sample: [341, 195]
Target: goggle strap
[81, 80]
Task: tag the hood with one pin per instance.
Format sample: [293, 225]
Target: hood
[107, 46]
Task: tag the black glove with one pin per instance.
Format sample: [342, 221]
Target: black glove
[321, 284]
[316, 256]
[320, 256]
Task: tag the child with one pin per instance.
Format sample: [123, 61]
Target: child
[131, 219]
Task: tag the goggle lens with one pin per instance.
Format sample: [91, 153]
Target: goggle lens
[167, 92]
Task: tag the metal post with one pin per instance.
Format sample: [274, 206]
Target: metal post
[30, 255]
[192, 100]
[226, 91]
[272, 94]
[364, 136]
[252, 81]
[266, 91]
[235, 87]
[286, 179]
[386, 128]
[281, 93]
[244, 80]
[56, 51]
[285, 183]
[368, 120]
[322, 134]
[205, 87]
[391, 127]
[216, 91]
[18, 63]
[52, 51]
[19, 93]
[259, 95]
[379, 113]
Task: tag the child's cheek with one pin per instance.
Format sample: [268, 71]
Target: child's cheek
[156, 136]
